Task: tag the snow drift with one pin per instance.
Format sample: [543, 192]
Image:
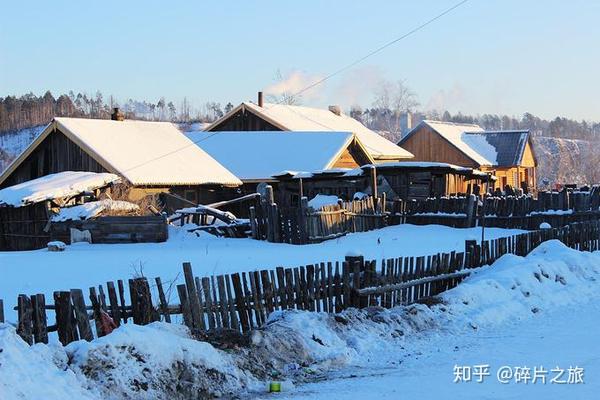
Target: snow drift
[164, 361]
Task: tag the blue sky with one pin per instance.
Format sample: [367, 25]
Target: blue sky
[486, 56]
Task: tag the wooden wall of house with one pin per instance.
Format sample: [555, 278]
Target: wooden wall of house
[245, 121]
[352, 157]
[56, 153]
[427, 145]
[22, 228]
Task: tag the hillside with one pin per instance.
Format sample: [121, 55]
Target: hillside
[12, 143]
[563, 160]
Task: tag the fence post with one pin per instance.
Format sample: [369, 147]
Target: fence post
[470, 210]
[1, 311]
[40, 323]
[64, 317]
[24, 327]
[194, 300]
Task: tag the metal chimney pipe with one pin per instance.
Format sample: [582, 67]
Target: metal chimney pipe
[260, 99]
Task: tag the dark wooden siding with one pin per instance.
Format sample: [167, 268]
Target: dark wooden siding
[56, 153]
[22, 228]
[245, 121]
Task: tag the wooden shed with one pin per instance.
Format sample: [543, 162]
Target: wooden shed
[405, 180]
[282, 117]
[506, 154]
[150, 157]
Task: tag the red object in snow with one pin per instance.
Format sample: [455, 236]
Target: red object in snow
[107, 323]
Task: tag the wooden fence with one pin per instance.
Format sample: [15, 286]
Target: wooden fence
[521, 212]
[302, 224]
[243, 301]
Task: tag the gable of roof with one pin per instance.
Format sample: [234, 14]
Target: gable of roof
[144, 153]
[300, 118]
[254, 155]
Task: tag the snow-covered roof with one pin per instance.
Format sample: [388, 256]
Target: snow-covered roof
[261, 154]
[93, 209]
[489, 148]
[145, 153]
[300, 118]
[53, 186]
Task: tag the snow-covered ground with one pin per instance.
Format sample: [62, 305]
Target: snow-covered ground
[84, 265]
[536, 311]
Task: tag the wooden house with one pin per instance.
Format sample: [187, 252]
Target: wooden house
[406, 180]
[506, 154]
[281, 117]
[150, 157]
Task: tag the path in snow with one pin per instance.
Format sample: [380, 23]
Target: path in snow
[83, 265]
[564, 337]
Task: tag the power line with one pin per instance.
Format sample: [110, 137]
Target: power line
[379, 49]
[320, 81]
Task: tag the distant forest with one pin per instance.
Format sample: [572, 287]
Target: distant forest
[31, 110]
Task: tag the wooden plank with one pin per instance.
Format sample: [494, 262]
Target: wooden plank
[81, 315]
[215, 302]
[239, 299]
[223, 302]
[115, 311]
[186, 311]
[64, 315]
[163, 304]
[40, 322]
[337, 282]
[282, 292]
[289, 288]
[122, 300]
[1, 311]
[25, 315]
[330, 288]
[205, 291]
[248, 300]
[297, 289]
[233, 318]
[267, 292]
[97, 312]
[255, 290]
[193, 297]
[310, 287]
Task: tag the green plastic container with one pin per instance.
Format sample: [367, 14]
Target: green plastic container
[275, 387]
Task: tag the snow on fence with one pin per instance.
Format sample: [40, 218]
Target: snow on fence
[240, 302]
[302, 224]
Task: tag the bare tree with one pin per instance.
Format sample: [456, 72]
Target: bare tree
[394, 99]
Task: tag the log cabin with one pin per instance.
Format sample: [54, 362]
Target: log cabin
[249, 116]
[150, 157]
[506, 154]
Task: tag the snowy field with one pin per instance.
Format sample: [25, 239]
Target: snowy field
[85, 265]
[529, 312]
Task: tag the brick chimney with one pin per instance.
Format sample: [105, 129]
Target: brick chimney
[117, 115]
[336, 110]
[260, 99]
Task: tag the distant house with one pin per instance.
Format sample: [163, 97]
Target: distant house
[151, 157]
[281, 117]
[506, 154]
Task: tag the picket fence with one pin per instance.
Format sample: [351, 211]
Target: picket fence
[241, 302]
